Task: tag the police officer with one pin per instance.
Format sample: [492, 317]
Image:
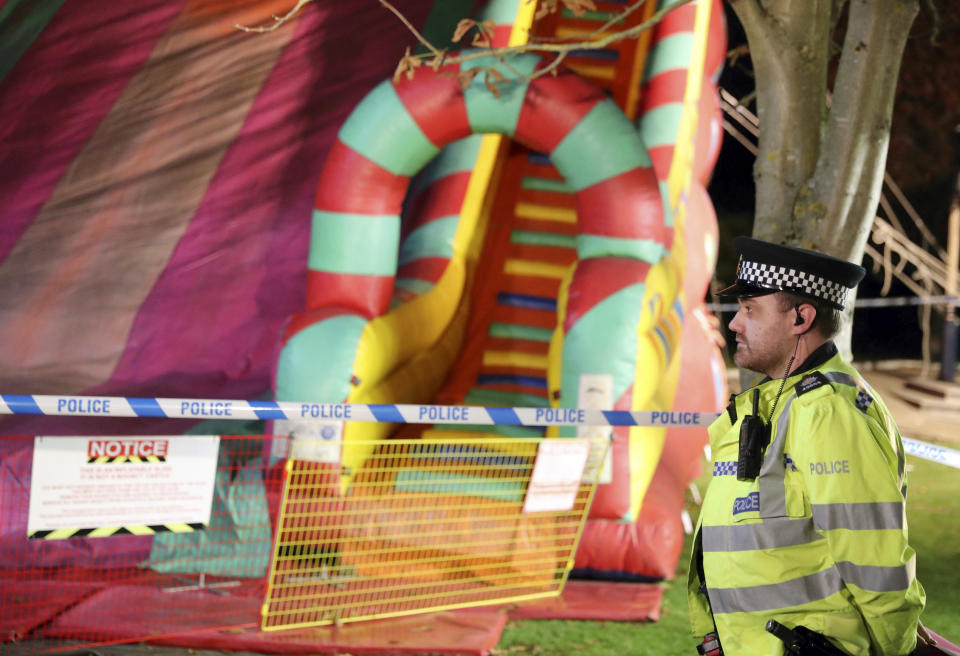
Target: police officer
[804, 521]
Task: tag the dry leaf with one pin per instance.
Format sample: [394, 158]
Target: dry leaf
[480, 40]
[579, 7]
[463, 27]
[437, 61]
[413, 65]
[406, 65]
[465, 78]
[400, 70]
[735, 54]
[547, 7]
[497, 75]
[489, 27]
[494, 89]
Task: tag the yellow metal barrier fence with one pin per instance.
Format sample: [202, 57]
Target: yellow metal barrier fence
[426, 525]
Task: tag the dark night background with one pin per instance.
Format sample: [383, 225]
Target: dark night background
[922, 160]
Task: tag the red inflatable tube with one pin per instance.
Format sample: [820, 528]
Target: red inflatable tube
[630, 194]
[647, 548]
[598, 278]
[339, 290]
[553, 106]
[373, 189]
[435, 101]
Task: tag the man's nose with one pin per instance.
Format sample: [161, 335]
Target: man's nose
[734, 323]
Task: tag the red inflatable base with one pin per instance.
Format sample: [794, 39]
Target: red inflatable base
[36, 604]
[943, 646]
[467, 631]
[597, 600]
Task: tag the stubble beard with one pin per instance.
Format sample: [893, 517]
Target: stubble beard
[742, 358]
[746, 359]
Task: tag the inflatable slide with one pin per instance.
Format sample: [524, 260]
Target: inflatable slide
[544, 243]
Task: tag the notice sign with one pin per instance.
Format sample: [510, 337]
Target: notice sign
[101, 486]
[596, 393]
[556, 476]
[318, 441]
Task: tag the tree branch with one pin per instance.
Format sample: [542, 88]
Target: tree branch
[403, 19]
[935, 34]
[277, 20]
[600, 30]
[552, 66]
[846, 185]
[410, 62]
[756, 23]
[836, 12]
[557, 48]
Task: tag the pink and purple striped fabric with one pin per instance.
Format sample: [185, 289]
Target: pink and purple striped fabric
[157, 174]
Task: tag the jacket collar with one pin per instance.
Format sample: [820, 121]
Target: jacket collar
[822, 353]
[819, 356]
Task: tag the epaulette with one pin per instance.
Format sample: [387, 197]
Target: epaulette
[809, 382]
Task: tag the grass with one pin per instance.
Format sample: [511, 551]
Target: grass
[934, 518]
[934, 533]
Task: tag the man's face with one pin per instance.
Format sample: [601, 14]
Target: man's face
[764, 333]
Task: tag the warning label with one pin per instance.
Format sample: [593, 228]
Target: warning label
[127, 448]
[94, 482]
[556, 476]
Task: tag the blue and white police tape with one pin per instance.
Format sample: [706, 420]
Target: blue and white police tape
[934, 452]
[120, 406]
[127, 406]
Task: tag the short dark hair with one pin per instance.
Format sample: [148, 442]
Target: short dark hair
[828, 319]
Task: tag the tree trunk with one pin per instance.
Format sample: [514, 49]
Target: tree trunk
[821, 158]
[789, 42]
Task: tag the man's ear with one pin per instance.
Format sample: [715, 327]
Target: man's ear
[806, 314]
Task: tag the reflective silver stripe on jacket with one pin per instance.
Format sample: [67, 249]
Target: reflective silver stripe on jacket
[769, 534]
[877, 579]
[840, 377]
[806, 589]
[859, 516]
[795, 592]
[773, 496]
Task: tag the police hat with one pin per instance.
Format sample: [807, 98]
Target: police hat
[765, 268]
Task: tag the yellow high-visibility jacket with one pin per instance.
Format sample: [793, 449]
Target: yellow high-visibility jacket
[819, 539]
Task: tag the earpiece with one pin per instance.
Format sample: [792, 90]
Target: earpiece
[799, 321]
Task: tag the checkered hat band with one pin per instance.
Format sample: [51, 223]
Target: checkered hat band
[770, 276]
